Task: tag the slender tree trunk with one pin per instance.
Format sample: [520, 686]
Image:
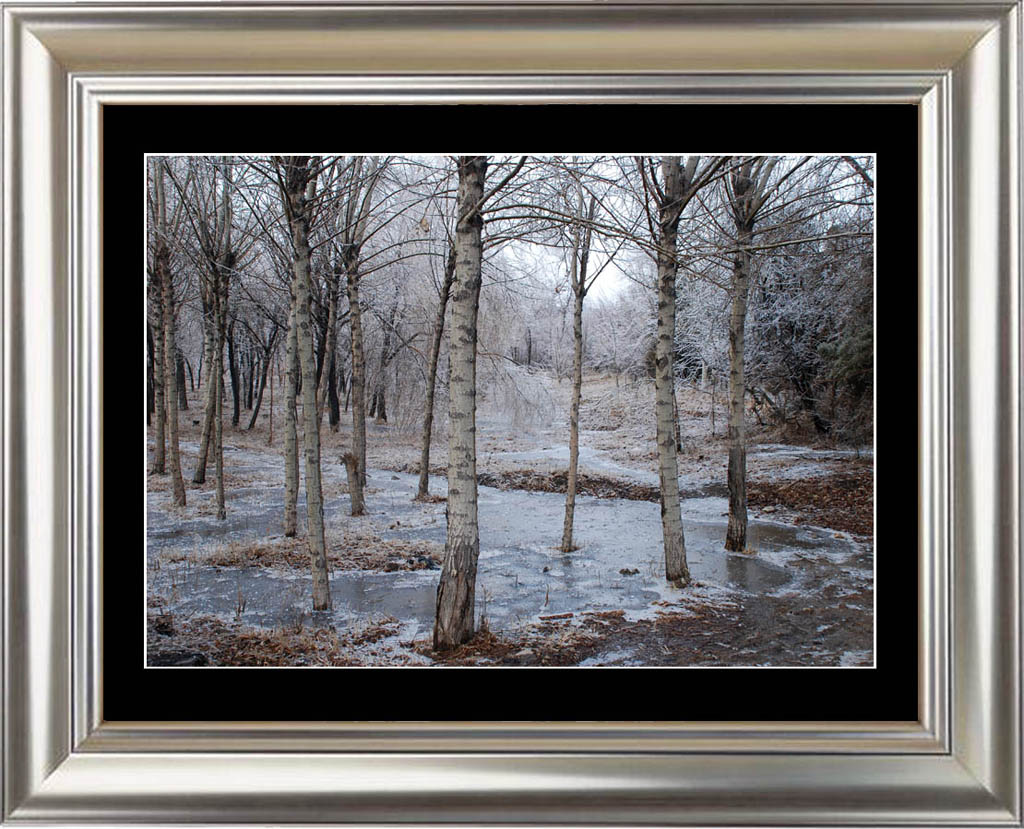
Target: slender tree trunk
[297, 181]
[170, 377]
[331, 341]
[209, 346]
[385, 357]
[355, 486]
[191, 378]
[270, 434]
[358, 383]
[578, 282]
[159, 386]
[423, 489]
[291, 441]
[218, 440]
[334, 412]
[574, 423]
[252, 366]
[233, 368]
[179, 379]
[736, 534]
[150, 390]
[676, 569]
[456, 592]
[264, 368]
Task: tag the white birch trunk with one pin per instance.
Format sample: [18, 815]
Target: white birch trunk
[676, 569]
[297, 181]
[456, 592]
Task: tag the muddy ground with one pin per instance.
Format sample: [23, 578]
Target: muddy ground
[237, 592]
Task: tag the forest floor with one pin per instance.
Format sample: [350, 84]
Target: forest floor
[236, 592]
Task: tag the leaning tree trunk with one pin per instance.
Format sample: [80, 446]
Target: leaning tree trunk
[264, 370]
[676, 569]
[423, 489]
[358, 383]
[456, 591]
[291, 440]
[159, 371]
[298, 178]
[736, 534]
[170, 377]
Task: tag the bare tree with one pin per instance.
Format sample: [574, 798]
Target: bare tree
[747, 189]
[580, 258]
[358, 199]
[456, 590]
[162, 276]
[299, 189]
[155, 309]
[291, 440]
[678, 186]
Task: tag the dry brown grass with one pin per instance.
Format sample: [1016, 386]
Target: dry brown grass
[349, 551]
[223, 642]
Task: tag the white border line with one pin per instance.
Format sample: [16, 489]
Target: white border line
[874, 436]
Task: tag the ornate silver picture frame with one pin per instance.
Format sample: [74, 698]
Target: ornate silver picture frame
[959, 763]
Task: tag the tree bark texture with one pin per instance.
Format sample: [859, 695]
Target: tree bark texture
[358, 383]
[736, 534]
[747, 189]
[156, 308]
[209, 347]
[291, 440]
[170, 376]
[233, 368]
[670, 209]
[179, 375]
[456, 591]
[297, 179]
[331, 344]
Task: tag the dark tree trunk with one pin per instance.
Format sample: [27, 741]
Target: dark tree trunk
[150, 390]
[233, 366]
[259, 392]
[179, 378]
[334, 416]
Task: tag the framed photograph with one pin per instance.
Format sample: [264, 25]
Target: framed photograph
[658, 464]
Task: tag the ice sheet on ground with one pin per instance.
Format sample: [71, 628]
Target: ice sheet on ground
[522, 575]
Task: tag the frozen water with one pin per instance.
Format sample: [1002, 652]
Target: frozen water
[522, 576]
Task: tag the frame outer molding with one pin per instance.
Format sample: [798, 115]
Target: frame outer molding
[961, 763]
